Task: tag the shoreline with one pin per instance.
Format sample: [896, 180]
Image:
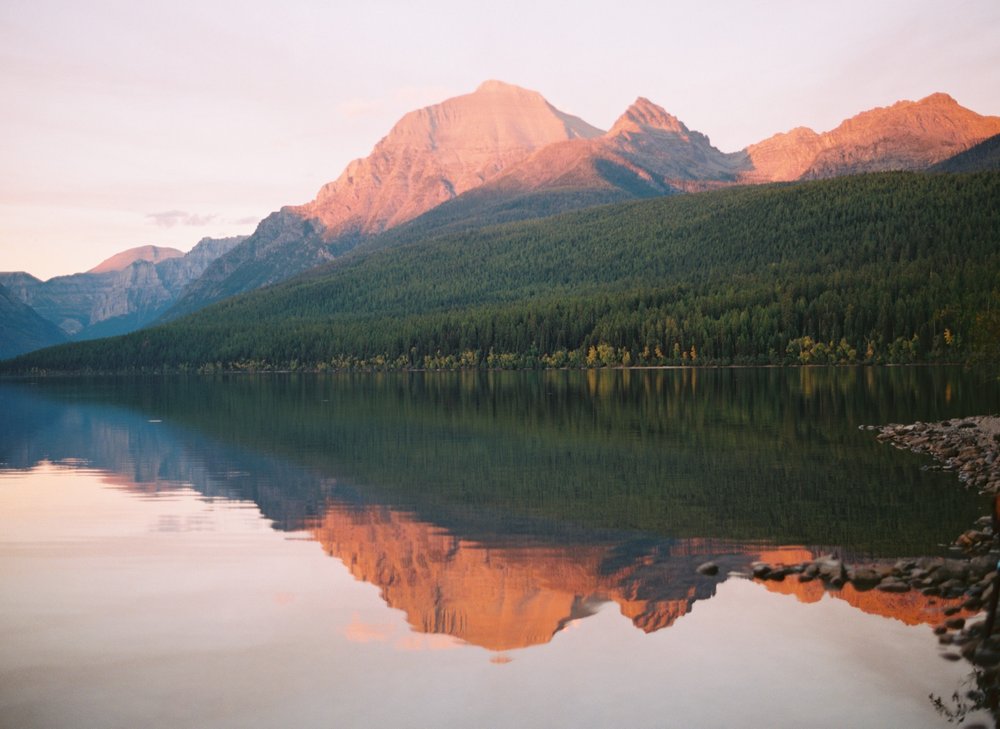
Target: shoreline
[970, 447]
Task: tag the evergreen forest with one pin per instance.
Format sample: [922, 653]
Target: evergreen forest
[880, 268]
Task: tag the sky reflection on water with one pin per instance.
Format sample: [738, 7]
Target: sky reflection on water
[171, 574]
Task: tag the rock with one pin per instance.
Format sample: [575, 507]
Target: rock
[973, 603]
[952, 585]
[708, 568]
[955, 623]
[830, 569]
[865, 578]
[893, 586]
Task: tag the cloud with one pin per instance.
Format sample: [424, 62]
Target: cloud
[170, 218]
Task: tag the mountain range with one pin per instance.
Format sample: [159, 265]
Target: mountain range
[499, 154]
[504, 153]
[121, 294]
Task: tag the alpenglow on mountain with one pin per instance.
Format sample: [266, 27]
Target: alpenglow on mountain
[504, 153]
[430, 156]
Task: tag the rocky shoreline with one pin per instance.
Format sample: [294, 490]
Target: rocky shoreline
[970, 447]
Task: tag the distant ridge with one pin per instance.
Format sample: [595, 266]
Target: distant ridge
[113, 298]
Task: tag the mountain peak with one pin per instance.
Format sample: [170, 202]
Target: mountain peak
[438, 152]
[493, 86]
[908, 135]
[644, 115]
[121, 261]
[938, 99]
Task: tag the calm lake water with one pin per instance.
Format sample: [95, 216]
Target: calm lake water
[470, 549]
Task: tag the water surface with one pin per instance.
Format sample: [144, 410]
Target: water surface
[490, 549]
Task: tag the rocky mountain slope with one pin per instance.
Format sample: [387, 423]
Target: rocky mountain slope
[909, 135]
[646, 152]
[115, 297]
[22, 329]
[430, 156]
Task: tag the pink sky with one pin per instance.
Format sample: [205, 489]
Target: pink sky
[127, 124]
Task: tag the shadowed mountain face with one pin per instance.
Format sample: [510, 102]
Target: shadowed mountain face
[22, 329]
[984, 156]
[458, 499]
[119, 295]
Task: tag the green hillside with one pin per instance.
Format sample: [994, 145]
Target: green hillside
[891, 267]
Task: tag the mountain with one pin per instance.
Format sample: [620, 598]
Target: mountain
[117, 296]
[22, 329]
[860, 268]
[909, 135]
[983, 157]
[430, 156]
[121, 261]
[646, 152]
[503, 153]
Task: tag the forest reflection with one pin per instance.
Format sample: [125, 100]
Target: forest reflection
[499, 507]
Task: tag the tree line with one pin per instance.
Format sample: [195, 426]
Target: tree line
[882, 268]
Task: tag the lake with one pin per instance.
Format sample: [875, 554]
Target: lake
[465, 549]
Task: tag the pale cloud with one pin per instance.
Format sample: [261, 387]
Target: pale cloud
[170, 218]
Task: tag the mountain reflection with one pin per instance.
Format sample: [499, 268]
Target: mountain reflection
[497, 510]
[505, 596]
